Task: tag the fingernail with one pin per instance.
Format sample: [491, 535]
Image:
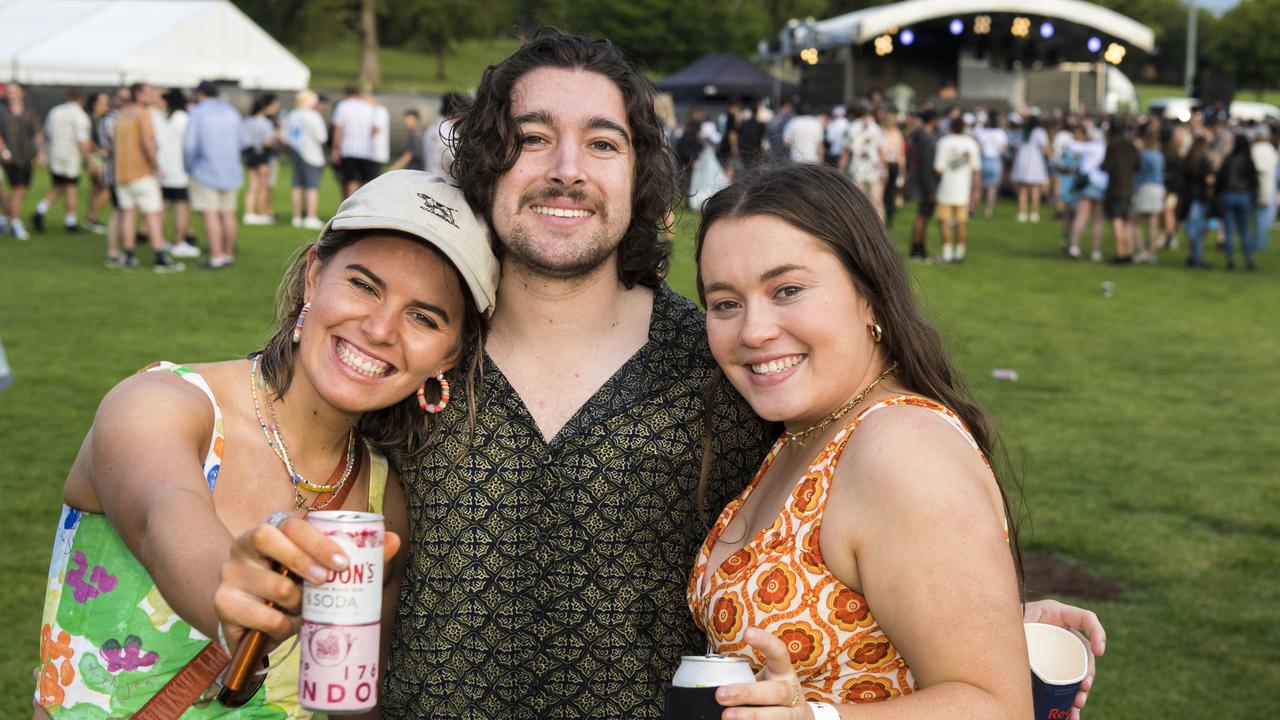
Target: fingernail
[724, 695]
[318, 574]
[340, 560]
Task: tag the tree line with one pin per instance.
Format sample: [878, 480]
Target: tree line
[665, 35]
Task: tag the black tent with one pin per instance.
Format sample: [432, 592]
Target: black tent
[722, 75]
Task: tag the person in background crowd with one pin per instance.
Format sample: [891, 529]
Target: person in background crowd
[1030, 172]
[803, 136]
[957, 160]
[863, 156]
[115, 259]
[1148, 199]
[894, 151]
[687, 149]
[1237, 189]
[1121, 164]
[1091, 183]
[211, 151]
[21, 148]
[411, 158]
[381, 132]
[258, 138]
[775, 131]
[1068, 168]
[305, 134]
[1198, 179]
[438, 140]
[353, 147]
[66, 129]
[994, 143]
[751, 132]
[922, 144]
[1265, 160]
[97, 105]
[174, 183]
[1062, 137]
[834, 135]
[137, 182]
[1175, 200]
[727, 148]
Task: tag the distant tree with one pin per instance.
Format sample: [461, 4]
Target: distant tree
[436, 25]
[1239, 45]
[369, 74]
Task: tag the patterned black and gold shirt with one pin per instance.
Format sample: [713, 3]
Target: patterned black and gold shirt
[546, 579]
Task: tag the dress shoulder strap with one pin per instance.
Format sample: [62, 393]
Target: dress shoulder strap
[932, 405]
[377, 479]
[213, 458]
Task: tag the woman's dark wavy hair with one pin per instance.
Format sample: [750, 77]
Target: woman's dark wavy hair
[825, 204]
[487, 143]
[403, 426]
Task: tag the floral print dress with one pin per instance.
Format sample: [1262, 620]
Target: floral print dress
[108, 638]
[779, 582]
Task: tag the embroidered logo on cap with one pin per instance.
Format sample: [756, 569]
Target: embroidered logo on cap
[440, 210]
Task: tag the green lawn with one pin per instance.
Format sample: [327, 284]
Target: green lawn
[408, 70]
[1144, 426]
[1149, 92]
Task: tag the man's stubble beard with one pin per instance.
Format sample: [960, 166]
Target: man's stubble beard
[520, 249]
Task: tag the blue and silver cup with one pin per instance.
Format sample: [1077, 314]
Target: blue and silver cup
[692, 692]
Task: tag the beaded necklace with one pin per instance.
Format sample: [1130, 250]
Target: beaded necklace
[276, 442]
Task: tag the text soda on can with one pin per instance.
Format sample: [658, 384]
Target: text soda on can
[341, 619]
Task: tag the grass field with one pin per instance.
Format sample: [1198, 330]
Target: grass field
[1144, 426]
[1149, 92]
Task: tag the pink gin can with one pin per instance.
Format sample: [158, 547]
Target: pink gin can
[341, 619]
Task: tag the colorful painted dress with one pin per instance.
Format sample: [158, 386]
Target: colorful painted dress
[108, 639]
[780, 583]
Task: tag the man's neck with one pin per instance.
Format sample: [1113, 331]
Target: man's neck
[536, 310]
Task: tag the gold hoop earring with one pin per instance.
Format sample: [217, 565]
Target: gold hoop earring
[877, 334]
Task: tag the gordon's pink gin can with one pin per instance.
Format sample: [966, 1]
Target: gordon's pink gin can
[341, 619]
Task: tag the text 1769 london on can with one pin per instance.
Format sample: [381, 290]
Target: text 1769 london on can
[341, 619]
[692, 693]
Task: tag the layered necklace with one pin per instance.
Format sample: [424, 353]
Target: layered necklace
[801, 437]
[271, 431]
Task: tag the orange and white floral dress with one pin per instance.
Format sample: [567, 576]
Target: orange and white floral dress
[778, 582]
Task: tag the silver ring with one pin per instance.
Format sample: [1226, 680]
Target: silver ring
[277, 518]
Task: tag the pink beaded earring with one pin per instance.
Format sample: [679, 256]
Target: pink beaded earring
[444, 395]
[297, 327]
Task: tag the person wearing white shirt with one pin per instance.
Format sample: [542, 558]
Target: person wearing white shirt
[66, 129]
[993, 141]
[171, 126]
[837, 126]
[437, 139]
[305, 134]
[353, 151]
[957, 162]
[1265, 160]
[381, 133]
[803, 137]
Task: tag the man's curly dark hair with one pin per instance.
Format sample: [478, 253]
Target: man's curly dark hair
[487, 144]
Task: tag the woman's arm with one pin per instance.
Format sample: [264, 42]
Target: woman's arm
[144, 464]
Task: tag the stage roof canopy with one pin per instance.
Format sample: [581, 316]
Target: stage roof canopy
[110, 42]
[863, 25]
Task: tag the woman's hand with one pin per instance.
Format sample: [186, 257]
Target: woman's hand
[1079, 621]
[249, 581]
[777, 694]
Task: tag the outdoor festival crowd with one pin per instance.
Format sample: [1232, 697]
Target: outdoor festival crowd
[148, 154]
[1144, 178]
[584, 477]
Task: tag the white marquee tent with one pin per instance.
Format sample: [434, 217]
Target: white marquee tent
[165, 42]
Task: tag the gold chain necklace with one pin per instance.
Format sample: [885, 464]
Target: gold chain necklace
[276, 443]
[803, 436]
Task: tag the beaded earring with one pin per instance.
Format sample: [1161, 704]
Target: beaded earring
[297, 327]
[444, 395]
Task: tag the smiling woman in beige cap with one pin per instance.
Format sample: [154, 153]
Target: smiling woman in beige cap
[182, 459]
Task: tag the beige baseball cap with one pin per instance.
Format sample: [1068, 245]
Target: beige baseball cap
[426, 205]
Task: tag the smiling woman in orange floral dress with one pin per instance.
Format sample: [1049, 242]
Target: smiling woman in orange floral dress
[870, 559]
